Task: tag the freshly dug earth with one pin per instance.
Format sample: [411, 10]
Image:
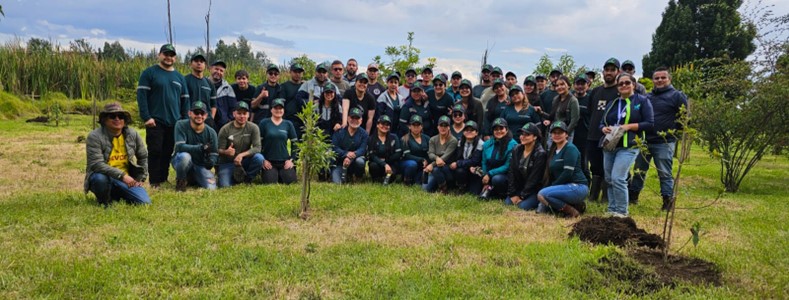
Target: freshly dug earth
[615, 230]
[689, 269]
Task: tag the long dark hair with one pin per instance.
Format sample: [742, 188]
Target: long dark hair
[503, 143]
[551, 152]
[335, 105]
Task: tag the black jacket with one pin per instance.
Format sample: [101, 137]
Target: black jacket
[526, 181]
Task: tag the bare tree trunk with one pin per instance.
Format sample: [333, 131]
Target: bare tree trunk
[207, 33]
[169, 25]
[305, 197]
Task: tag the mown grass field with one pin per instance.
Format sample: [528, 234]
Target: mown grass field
[362, 241]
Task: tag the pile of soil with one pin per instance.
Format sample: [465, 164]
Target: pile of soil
[689, 269]
[615, 230]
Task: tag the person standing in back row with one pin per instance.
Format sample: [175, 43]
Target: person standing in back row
[598, 99]
[163, 99]
[200, 88]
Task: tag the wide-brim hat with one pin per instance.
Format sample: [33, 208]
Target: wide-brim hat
[114, 107]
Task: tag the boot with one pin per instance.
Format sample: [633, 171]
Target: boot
[594, 190]
[580, 207]
[604, 188]
[180, 185]
[570, 211]
[632, 197]
[442, 188]
[668, 203]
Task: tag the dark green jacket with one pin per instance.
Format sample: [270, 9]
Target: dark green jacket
[99, 146]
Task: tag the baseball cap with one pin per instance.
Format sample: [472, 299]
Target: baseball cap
[411, 70]
[593, 73]
[362, 76]
[384, 119]
[355, 112]
[427, 69]
[471, 124]
[628, 63]
[516, 87]
[372, 66]
[272, 67]
[496, 70]
[581, 78]
[530, 128]
[465, 82]
[611, 61]
[296, 67]
[167, 48]
[219, 63]
[393, 76]
[444, 120]
[510, 73]
[197, 56]
[278, 102]
[198, 105]
[530, 78]
[242, 105]
[417, 86]
[499, 122]
[559, 125]
[554, 71]
[415, 119]
[498, 81]
[456, 74]
[322, 66]
[458, 108]
[538, 76]
[487, 67]
[329, 87]
[441, 78]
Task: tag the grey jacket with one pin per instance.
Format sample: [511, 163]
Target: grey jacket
[99, 147]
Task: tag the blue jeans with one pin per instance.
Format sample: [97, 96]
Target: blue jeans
[186, 168]
[439, 176]
[617, 165]
[558, 196]
[528, 203]
[499, 183]
[251, 164]
[663, 155]
[468, 182]
[102, 186]
[356, 168]
[412, 171]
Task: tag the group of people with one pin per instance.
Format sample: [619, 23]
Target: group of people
[546, 145]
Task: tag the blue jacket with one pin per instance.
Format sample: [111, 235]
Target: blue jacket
[493, 163]
[636, 109]
[342, 143]
[666, 103]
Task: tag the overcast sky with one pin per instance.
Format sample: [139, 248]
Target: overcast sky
[455, 32]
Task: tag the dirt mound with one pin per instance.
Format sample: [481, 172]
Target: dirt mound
[615, 230]
[689, 269]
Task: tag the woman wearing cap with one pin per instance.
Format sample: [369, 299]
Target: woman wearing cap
[496, 156]
[473, 107]
[415, 146]
[565, 183]
[388, 103]
[519, 112]
[632, 113]
[468, 160]
[565, 106]
[275, 132]
[415, 105]
[441, 152]
[458, 121]
[530, 89]
[117, 163]
[526, 168]
[358, 97]
[350, 146]
[495, 106]
[383, 152]
[329, 110]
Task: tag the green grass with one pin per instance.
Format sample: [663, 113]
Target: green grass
[362, 241]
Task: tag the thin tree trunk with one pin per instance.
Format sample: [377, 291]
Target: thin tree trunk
[305, 198]
[169, 24]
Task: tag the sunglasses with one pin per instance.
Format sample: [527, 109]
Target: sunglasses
[116, 116]
[273, 74]
[199, 112]
[410, 75]
[337, 69]
[457, 115]
[625, 83]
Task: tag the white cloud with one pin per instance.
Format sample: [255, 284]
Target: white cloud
[522, 50]
[555, 49]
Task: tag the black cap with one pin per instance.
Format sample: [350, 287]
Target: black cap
[198, 105]
[444, 120]
[167, 48]
[355, 112]
[458, 108]
[219, 63]
[278, 102]
[471, 124]
[329, 87]
[417, 86]
[515, 88]
[590, 72]
[272, 67]
[555, 71]
[322, 66]
[441, 78]
[296, 67]
[559, 125]
[611, 61]
[499, 122]
[496, 70]
[427, 69]
[411, 70]
[393, 76]
[197, 56]
[487, 67]
[456, 73]
[531, 79]
[466, 82]
[538, 76]
[510, 73]
[498, 81]
[415, 119]
[363, 76]
[385, 119]
[628, 63]
[242, 105]
[530, 128]
[581, 77]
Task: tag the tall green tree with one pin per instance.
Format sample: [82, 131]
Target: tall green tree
[113, 51]
[698, 29]
[566, 64]
[401, 58]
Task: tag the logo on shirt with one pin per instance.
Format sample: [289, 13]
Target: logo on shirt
[601, 105]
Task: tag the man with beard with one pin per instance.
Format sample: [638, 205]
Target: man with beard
[162, 99]
[336, 77]
[266, 92]
[289, 92]
[200, 88]
[350, 71]
[225, 97]
[580, 86]
[239, 149]
[195, 151]
[374, 87]
[510, 79]
[485, 82]
[598, 99]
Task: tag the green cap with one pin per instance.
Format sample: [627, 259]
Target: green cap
[362, 76]
[516, 87]
[278, 102]
[441, 78]
[385, 119]
[628, 63]
[487, 67]
[559, 125]
[581, 78]
[355, 112]
[611, 61]
[296, 67]
[497, 70]
[329, 87]
[322, 66]
[471, 124]
[272, 67]
[530, 128]
[242, 105]
[466, 82]
[499, 122]
[415, 119]
[417, 86]
[198, 105]
[444, 120]
[498, 81]
[531, 79]
[456, 74]
[458, 108]
[167, 48]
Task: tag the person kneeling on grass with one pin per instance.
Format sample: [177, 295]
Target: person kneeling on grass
[566, 188]
[441, 151]
[383, 152]
[527, 168]
[496, 156]
[195, 150]
[117, 161]
[239, 149]
[349, 145]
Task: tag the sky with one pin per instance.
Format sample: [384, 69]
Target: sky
[516, 32]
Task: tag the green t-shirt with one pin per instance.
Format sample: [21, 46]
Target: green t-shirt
[200, 89]
[565, 166]
[162, 95]
[245, 139]
[274, 144]
[189, 141]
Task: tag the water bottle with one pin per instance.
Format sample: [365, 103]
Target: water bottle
[387, 179]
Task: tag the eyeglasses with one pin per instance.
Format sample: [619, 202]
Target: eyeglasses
[625, 83]
[116, 116]
[273, 74]
[337, 69]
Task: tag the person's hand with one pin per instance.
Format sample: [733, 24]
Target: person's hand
[267, 165]
[440, 162]
[453, 166]
[150, 123]
[337, 126]
[288, 164]
[546, 122]
[428, 169]
[485, 179]
[346, 162]
[538, 109]
[264, 93]
[516, 199]
[351, 155]
[607, 129]
[130, 182]
[388, 169]
[230, 151]
[237, 160]
[630, 127]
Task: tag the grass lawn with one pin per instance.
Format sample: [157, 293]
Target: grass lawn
[362, 241]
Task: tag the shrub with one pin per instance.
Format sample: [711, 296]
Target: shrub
[11, 107]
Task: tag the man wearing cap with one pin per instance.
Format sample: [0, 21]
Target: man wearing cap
[453, 90]
[374, 87]
[629, 67]
[350, 70]
[485, 83]
[546, 97]
[439, 101]
[590, 76]
[415, 104]
[117, 161]
[200, 88]
[427, 79]
[510, 80]
[358, 97]
[542, 83]
[289, 92]
[580, 86]
[243, 90]
[336, 72]
[667, 103]
[239, 149]
[488, 93]
[389, 102]
[598, 100]
[195, 151]
[350, 146]
[225, 97]
[410, 80]
[267, 91]
[162, 99]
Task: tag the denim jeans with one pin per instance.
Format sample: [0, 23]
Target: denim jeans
[378, 171]
[468, 182]
[558, 196]
[499, 183]
[412, 171]
[356, 168]
[663, 155]
[101, 184]
[185, 168]
[439, 175]
[617, 167]
[529, 203]
[251, 164]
